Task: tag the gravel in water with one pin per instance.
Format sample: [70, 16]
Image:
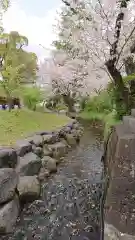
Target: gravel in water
[69, 204]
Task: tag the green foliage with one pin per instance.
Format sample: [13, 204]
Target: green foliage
[31, 97]
[100, 103]
[53, 101]
[128, 78]
[102, 108]
[28, 72]
[4, 4]
[108, 120]
[120, 105]
[17, 65]
[83, 102]
[117, 102]
[106, 101]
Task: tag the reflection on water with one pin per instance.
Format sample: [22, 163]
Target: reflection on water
[69, 204]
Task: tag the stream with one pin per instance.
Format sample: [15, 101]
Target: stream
[69, 205]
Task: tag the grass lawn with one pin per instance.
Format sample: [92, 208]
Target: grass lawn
[18, 124]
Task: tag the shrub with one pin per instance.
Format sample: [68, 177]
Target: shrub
[100, 103]
[102, 108]
[31, 96]
[128, 78]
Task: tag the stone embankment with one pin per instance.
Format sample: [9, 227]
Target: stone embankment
[24, 168]
[119, 162]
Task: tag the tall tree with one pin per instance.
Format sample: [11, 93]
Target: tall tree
[28, 73]
[16, 64]
[108, 37]
[69, 70]
[123, 94]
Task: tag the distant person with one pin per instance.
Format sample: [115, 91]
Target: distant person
[3, 106]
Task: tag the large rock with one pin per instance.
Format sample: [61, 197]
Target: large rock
[8, 183]
[38, 151]
[64, 131]
[8, 215]
[46, 151]
[65, 142]
[49, 163]
[71, 140]
[28, 188]
[68, 129]
[8, 157]
[74, 121]
[77, 133]
[59, 149]
[70, 125]
[43, 174]
[37, 140]
[76, 125]
[29, 165]
[49, 138]
[22, 147]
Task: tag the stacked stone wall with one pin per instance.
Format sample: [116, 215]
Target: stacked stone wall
[24, 167]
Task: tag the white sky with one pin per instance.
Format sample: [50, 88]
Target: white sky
[38, 30]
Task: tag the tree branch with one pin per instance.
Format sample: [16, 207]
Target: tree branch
[126, 41]
[103, 11]
[113, 50]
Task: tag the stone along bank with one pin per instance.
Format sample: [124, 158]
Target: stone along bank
[24, 167]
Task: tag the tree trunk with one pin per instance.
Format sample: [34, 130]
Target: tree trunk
[132, 93]
[10, 103]
[69, 102]
[122, 95]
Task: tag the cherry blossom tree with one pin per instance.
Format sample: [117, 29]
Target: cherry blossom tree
[94, 41]
[107, 36]
[67, 77]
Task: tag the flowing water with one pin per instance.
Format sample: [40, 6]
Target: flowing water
[69, 204]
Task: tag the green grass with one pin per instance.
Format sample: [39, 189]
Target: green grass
[18, 124]
[108, 120]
